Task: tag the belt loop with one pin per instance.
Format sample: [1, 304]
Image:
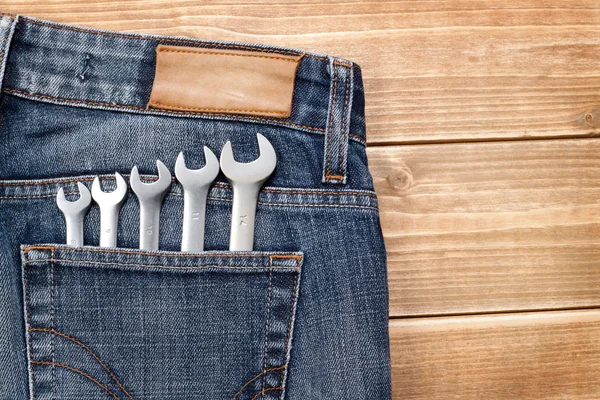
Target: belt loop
[338, 122]
[7, 28]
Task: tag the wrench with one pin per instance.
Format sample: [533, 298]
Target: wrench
[196, 183]
[246, 180]
[150, 197]
[74, 212]
[110, 204]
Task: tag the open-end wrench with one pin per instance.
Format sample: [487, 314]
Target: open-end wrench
[74, 212]
[110, 205]
[150, 197]
[195, 183]
[246, 180]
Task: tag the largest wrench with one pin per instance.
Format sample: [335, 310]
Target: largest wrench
[246, 180]
[150, 197]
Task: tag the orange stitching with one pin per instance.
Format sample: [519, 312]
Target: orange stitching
[69, 368]
[346, 99]
[161, 50]
[297, 257]
[52, 372]
[118, 251]
[268, 317]
[357, 137]
[339, 63]
[330, 133]
[200, 268]
[27, 307]
[288, 338]
[266, 390]
[72, 339]
[248, 117]
[255, 378]
[217, 109]
[339, 177]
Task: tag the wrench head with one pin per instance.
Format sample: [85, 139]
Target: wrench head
[78, 206]
[113, 198]
[190, 178]
[152, 190]
[256, 171]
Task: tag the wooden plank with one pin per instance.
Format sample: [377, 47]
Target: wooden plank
[434, 71]
[549, 355]
[488, 227]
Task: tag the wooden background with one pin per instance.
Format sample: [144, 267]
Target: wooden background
[483, 122]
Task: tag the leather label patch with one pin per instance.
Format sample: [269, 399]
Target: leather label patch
[223, 81]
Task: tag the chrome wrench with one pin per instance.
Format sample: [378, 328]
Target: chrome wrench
[74, 212]
[246, 180]
[110, 204]
[150, 197]
[195, 183]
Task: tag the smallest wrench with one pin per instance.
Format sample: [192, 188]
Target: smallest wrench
[110, 204]
[74, 213]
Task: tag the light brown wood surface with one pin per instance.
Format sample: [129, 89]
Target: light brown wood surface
[482, 122]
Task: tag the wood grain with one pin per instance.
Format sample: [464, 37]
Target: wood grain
[435, 71]
[550, 355]
[488, 227]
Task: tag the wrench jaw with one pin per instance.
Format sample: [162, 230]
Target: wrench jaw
[110, 204]
[256, 171]
[113, 198]
[74, 213]
[196, 184]
[150, 197]
[246, 180]
[197, 177]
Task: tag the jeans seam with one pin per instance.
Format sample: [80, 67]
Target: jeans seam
[52, 338]
[77, 371]
[242, 118]
[267, 323]
[94, 355]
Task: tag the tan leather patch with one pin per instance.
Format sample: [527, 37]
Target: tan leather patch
[223, 81]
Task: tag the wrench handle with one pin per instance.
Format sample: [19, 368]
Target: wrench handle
[149, 224]
[194, 215]
[109, 218]
[74, 230]
[243, 213]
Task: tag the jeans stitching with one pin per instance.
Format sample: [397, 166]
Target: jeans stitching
[341, 154]
[284, 113]
[226, 54]
[242, 118]
[200, 268]
[94, 355]
[255, 378]
[262, 392]
[26, 249]
[28, 333]
[77, 371]
[52, 371]
[330, 132]
[268, 316]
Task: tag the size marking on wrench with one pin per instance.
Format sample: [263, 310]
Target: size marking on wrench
[110, 204]
[150, 197]
[246, 180]
[195, 183]
[74, 212]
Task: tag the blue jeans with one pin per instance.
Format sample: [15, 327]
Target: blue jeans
[303, 316]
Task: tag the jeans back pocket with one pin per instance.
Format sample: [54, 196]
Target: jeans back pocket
[129, 324]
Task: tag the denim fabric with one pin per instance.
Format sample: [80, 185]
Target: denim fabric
[303, 316]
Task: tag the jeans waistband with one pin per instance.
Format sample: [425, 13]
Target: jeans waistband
[48, 62]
